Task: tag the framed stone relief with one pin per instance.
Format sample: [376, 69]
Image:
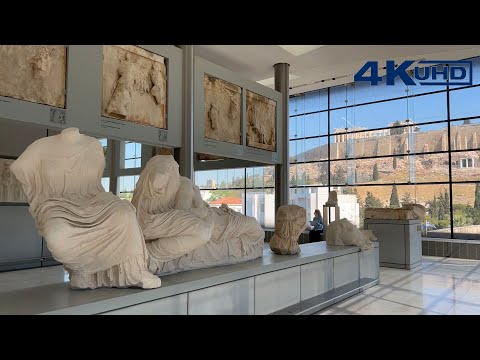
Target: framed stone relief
[35, 73]
[222, 110]
[134, 85]
[11, 190]
[261, 121]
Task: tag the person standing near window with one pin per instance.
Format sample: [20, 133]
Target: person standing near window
[317, 223]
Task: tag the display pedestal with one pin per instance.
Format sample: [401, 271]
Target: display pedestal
[326, 217]
[319, 276]
[400, 242]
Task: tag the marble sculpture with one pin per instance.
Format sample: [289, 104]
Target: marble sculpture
[290, 222]
[134, 85]
[181, 231]
[34, 73]
[406, 212]
[10, 188]
[222, 114]
[93, 233]
[332, 199]
[261, 120]
[343, 232]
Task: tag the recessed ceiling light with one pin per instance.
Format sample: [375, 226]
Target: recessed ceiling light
[271, 81]
[298, 50]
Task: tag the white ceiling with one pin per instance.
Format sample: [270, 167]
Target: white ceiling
[321, 62]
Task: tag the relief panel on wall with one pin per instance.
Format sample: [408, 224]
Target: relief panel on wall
[11, 190]
[222, 112]
[134, 85]
[34, 73]
[261, 116]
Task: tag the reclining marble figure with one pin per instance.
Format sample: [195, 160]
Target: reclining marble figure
[181, 231]
[93, 233]
[343, 232]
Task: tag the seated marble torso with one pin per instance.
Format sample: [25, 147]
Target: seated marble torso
[181, 231]
[92, 232]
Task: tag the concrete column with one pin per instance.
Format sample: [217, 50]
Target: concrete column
[184, 155]
[282, 170]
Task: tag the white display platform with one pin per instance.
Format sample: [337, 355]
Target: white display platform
[262, 286]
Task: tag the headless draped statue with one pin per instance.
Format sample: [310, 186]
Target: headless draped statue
[181, 232]
[93, 233]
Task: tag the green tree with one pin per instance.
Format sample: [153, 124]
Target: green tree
[292, 181]
[397, 131]
[476, 205]
[372, 201]
[394, 197]
[375, 172]
[407, 198]
[394, 163]
[219, 194]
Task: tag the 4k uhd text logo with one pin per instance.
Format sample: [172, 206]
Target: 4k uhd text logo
[433, 72]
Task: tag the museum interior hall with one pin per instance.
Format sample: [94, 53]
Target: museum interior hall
[240, 180]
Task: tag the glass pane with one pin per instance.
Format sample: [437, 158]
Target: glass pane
[206, 179]
[365, 92]
[338, 146]
[430, 168]
[296, 127]
[309, 174]
[380, 170]
[466, 166]
[309, 201]
[338, 172]
[127, 186]
[236, 178]
[106, 183]
[269, 176]
[261, 206]
[466, 211]
[133, 155]
[316, 124]
[426, 108]
[316, 149]
[396, 195]
[464, 103]
[258, 177]
[465, 134]
[349, 203]
[316, 100]
[222, 179]
[341, 96]
[426, 137]
[130, 164]
[233, 198]
[297, 150]
[292, 105]
[341, 119]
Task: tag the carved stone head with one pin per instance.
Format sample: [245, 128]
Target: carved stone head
[159, 179]
[290, 222]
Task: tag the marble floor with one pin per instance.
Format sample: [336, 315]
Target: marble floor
[441, 286]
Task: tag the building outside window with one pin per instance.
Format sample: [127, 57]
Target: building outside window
[385, 146]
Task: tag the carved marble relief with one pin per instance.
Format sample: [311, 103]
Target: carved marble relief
[34, 73]
[223, 102]
[261, 116]
[10, 188]
[134, 85]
